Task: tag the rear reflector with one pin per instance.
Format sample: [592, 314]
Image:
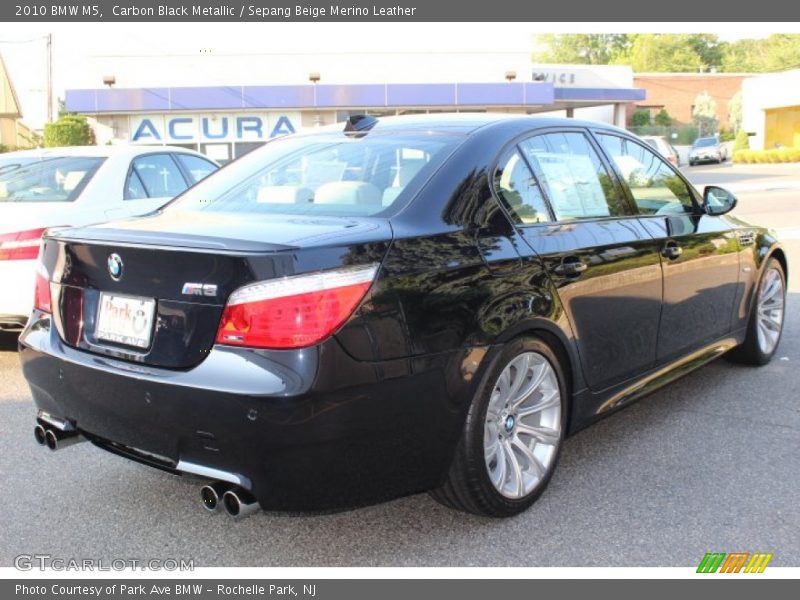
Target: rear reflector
[294, 312]
[21, 245]
[41, 298]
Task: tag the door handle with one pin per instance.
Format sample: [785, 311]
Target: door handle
[570, 267]
[671, 251]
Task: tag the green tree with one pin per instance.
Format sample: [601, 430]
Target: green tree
[704, 113]
[640, 118]
[582, 48]
[663, 119]
[69, 130]
[661, 52]
[735, 111]
[778, 52]
[742, 141]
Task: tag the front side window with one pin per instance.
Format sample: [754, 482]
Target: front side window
[656, 188]
[58, 179]
[322, 174]
[519, 190]
[577, 184]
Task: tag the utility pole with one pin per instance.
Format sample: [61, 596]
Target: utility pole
[49, 77]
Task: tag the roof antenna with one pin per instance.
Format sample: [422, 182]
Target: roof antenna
[359, 124]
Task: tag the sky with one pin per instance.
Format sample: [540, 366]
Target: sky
[81, 51]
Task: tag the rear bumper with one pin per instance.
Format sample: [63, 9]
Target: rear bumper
[302, 430]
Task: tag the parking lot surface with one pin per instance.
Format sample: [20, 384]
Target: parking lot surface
[709, 463]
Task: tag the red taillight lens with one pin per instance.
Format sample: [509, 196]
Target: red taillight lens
[293, 312]
[21, 245]
[41, 299]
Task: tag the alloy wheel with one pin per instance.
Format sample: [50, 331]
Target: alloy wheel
[770, 310]
[522, 429]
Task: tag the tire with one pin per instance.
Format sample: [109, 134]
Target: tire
[469, 485]
[766, 315]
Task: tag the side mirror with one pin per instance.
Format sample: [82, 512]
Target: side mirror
[718, 201]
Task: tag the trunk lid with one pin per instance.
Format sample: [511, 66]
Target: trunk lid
[183, 269]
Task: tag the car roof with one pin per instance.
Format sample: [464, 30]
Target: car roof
[465, 123]
[94, 151]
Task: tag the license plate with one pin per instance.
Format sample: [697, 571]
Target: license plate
[126, 320]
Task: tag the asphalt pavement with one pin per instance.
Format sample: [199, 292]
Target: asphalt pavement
[709, 463]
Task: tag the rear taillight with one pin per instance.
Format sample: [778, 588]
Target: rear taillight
[293, 312]
[21, 245]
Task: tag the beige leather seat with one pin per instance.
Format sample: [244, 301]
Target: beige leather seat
[348, 192]
[284, 194]
[404, 175]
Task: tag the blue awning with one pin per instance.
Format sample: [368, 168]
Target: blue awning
[328, 96]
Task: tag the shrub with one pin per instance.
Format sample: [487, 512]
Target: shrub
[640, 118]
[69, 130]
[773, 155]
[742, 141]
[663, 118]
[726, 135]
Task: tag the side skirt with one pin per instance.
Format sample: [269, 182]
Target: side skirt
[589, 407]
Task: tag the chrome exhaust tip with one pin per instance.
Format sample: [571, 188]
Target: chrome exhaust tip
[211, 494]
[239, 503]
[58, 440]
[39, 434]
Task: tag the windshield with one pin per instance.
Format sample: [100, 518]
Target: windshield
[58, 179]
[705, 142]
[322, 174]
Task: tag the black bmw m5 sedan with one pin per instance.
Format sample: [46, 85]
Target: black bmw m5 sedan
[393, 306]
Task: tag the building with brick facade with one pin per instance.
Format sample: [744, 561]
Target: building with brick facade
[676, 92]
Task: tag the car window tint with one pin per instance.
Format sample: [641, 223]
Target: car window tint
[576, 182]
[519, 190]
[159, 175]
[198, 168]
[656, 187]
[324, 175]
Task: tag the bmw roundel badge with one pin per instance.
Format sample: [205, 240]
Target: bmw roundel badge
[115, 266]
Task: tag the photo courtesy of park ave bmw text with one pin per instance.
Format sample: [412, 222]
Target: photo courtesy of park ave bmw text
[288, 288]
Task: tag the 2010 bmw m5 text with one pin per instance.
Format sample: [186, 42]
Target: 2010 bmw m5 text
[407, 304]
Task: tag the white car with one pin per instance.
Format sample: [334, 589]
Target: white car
[664, 148]
[56, 187]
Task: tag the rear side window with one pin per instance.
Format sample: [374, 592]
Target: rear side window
[519, 190]
[575, 180]
[58, 179]
[155, 176]
[656, 187]
[198, 168]
[322, 174]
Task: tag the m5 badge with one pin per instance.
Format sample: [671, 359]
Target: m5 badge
[199, 289]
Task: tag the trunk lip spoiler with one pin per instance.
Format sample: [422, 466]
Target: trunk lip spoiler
[265, 247]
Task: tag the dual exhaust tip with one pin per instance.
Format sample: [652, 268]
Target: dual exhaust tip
[236, 501]
[55, 439]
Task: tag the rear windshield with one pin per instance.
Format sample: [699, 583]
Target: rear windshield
[322, 175]
[703, 142]
[57, 179]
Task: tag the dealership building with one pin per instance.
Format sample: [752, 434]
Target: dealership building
[294, 92]
[771, 110]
